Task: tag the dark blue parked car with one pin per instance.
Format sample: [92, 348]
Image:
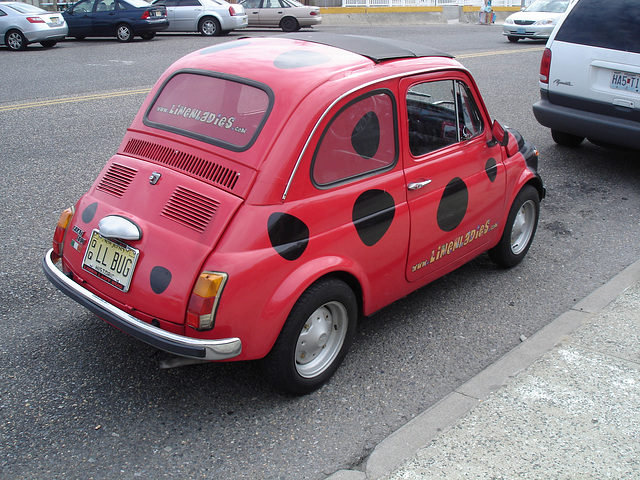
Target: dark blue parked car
[119, 18]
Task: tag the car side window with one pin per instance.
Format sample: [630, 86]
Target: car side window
[189, 3]
[360, 140]
[440, 113]
[83, 7]
[2, 13]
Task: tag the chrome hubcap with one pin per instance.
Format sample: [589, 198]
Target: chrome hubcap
[523, 226]
[321, 339]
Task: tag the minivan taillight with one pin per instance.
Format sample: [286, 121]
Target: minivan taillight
[545, 66]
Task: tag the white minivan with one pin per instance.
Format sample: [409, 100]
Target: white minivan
[590, 75]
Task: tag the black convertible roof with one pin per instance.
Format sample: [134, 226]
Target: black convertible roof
[377, 49]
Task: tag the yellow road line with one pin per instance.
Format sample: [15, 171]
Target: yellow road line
[499, 52]
[81, 98]
[101, 96]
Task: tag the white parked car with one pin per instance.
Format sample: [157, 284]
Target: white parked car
[209, 17]
[590, 77]
[536, 22]
[22, 24]
[289, 15]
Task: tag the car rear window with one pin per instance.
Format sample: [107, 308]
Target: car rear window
[213, 108]
[609, 24]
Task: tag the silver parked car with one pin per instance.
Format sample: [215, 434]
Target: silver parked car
[536, 22]
[22, 24]
[209, 17]
[289, 15]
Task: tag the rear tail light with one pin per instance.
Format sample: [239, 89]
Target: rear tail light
[145, 15]
[204, 299]
[61, 230]
[35, 20]
[232, 11]
[545, 66]
[313, 13]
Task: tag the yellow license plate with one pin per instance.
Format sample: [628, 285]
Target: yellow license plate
[111, 262]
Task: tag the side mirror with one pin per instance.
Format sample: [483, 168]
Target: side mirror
[499, 134]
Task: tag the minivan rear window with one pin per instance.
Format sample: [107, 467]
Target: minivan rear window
[612, 24]
[216, 109]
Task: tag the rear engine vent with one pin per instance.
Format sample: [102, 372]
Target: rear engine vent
[190, 209]
[196, 166]
[117, 179]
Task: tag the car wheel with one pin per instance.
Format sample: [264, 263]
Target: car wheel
[520, 229]
[566, 139]
[289, 24]
[15, 40]
[148, 36]
[210, 27]
[124, 33]
[48, 43]
[315, 338]
[512, 39]
[80, 37]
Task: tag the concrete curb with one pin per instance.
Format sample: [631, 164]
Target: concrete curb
[403, 444]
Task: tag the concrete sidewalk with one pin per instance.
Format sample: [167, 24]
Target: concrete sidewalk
[564, 404]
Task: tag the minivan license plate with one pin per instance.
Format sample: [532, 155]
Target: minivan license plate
[625, 81]
[110, 261]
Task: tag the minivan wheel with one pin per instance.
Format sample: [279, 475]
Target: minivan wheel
[314, 339]
[566, 139]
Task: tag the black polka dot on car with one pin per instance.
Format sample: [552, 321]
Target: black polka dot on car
[89, 212]
[372, 215]
[299, 59]
[453, 205]
[288, 234]
[491, 169]
[365, 138]
[159, 278]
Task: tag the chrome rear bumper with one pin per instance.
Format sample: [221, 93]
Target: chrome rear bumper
[221, 349]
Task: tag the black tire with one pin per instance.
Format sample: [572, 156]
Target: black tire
[148, 36]
[15, 40]
[519, 230]
[124, 33]
[513, 39]
[315, 338]
[566, 139]
[289, 24]
[48, 43]
[210, 27]
[80, 37]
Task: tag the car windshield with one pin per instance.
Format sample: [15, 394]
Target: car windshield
[26, 8]
[549, 6]
[221, 111]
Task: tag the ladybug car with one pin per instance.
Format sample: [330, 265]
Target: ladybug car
[272, 191]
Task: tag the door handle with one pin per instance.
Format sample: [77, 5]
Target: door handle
[418, 185]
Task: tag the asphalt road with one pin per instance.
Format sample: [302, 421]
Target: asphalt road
[78, 399]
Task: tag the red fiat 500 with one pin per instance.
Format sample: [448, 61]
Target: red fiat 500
[272, 191]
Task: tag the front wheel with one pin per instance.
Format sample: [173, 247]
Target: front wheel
[521, 226]
[48, 43]
[124, 33]
[512, 39]
[148, 36]
[15, 40]
[315, 338]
